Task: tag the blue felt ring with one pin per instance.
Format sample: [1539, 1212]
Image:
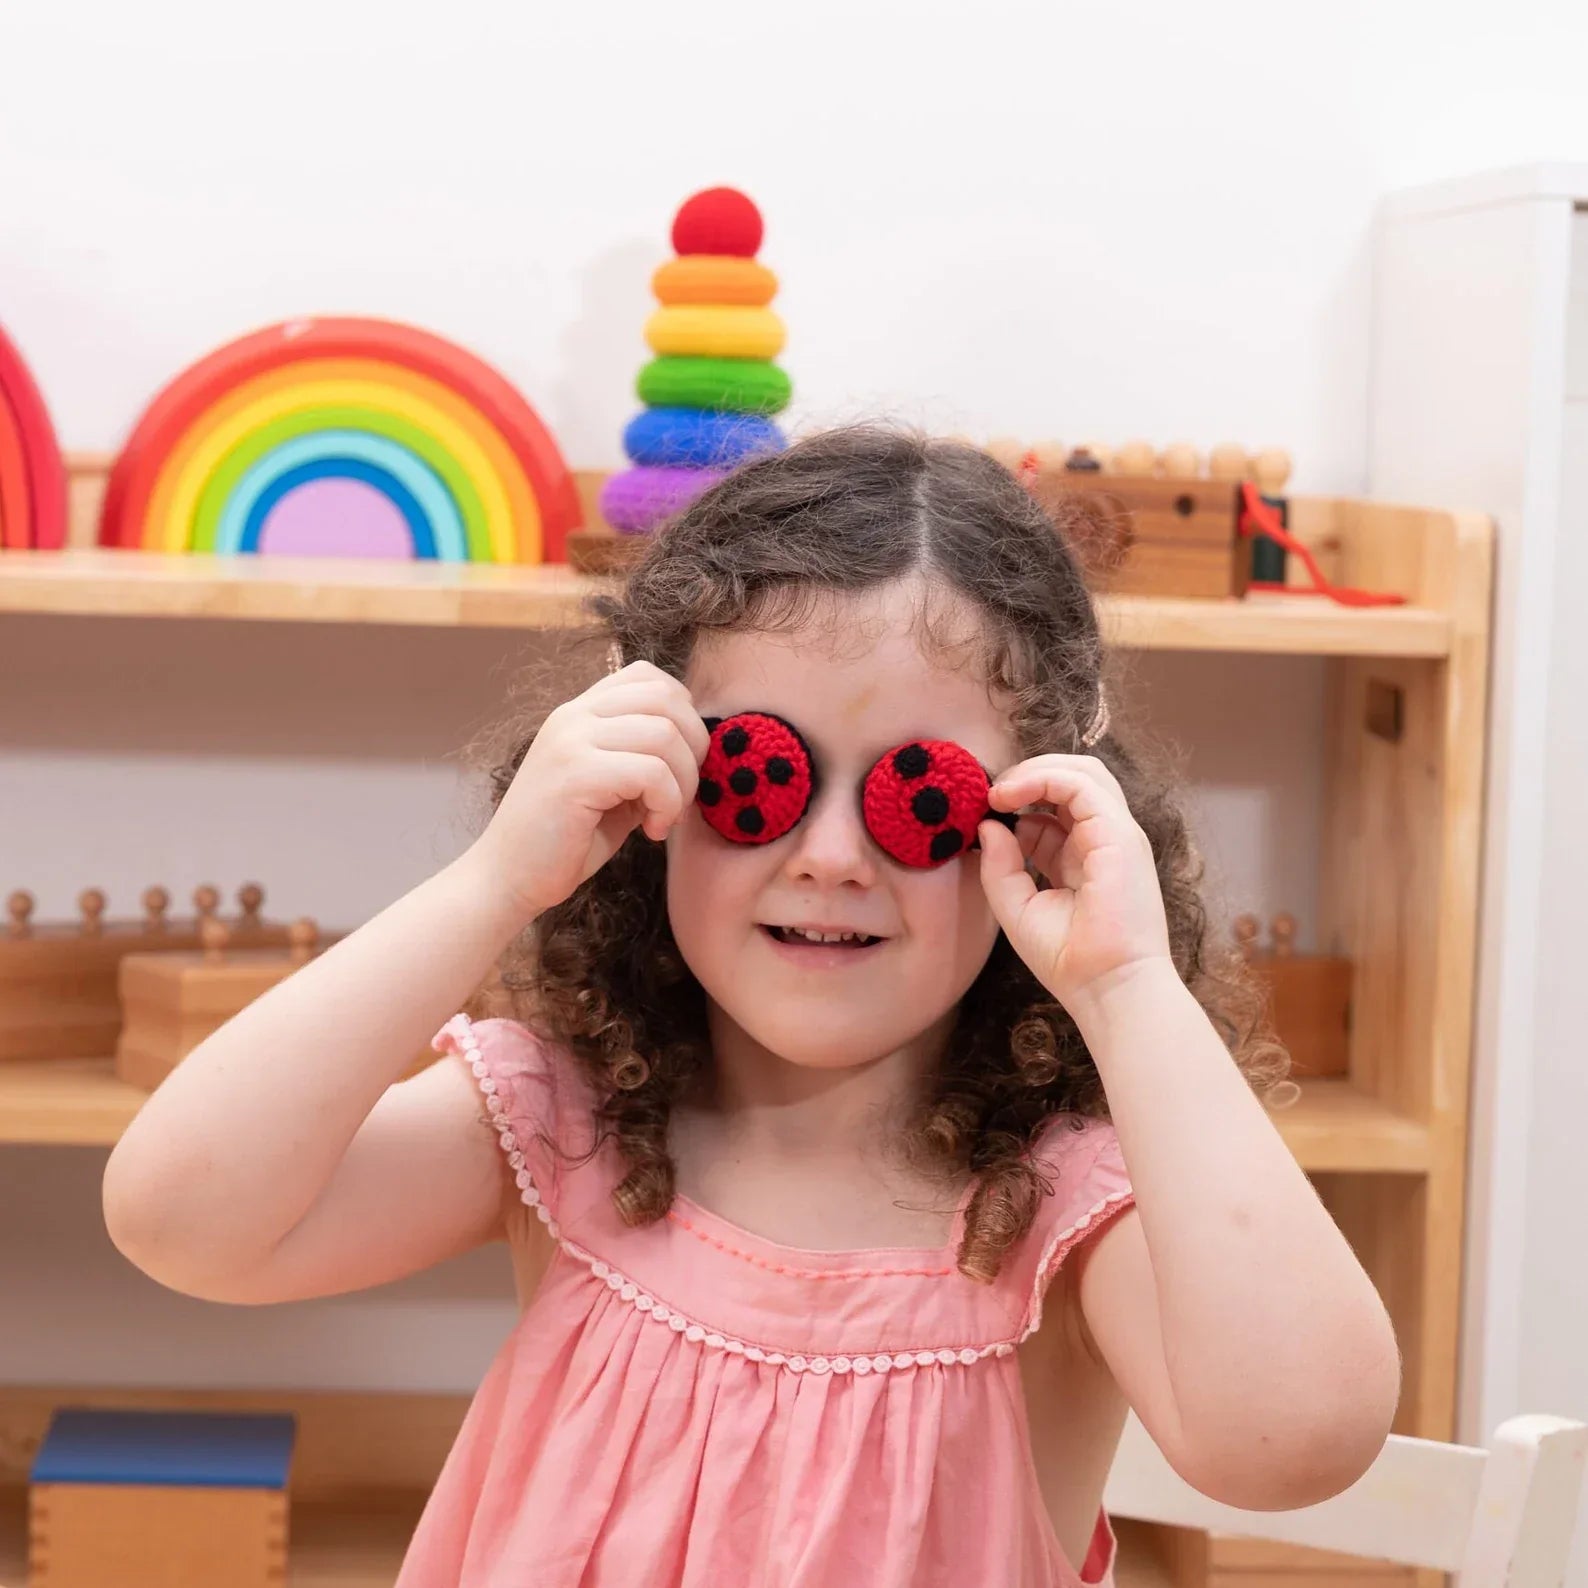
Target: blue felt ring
[693, 438]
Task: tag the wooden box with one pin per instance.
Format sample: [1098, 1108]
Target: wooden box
[155, 1499]
[1154, 534]
[171, 1002]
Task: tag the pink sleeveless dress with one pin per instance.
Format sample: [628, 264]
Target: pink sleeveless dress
[688, 1405]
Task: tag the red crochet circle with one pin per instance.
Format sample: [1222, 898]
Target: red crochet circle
[777, 804]
[923, 801]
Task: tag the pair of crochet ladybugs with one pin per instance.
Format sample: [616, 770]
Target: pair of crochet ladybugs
[922, 802]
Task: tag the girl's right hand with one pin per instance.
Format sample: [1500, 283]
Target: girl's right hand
[625, 753]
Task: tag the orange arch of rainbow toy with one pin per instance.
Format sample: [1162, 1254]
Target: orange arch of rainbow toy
[464, 425]
[32, 472]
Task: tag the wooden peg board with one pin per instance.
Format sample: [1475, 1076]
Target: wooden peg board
[58, 980]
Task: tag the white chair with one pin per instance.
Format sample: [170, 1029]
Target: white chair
[1499, 1518]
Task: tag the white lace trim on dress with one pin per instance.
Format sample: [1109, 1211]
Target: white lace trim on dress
[701, 1334]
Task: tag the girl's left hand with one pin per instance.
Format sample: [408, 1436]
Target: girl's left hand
[1102, 914]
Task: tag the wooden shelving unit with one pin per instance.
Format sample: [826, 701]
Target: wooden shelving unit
[1398, 870]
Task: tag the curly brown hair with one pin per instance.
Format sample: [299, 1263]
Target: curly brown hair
[843, 512]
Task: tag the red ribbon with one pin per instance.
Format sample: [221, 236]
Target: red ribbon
[1258, 518]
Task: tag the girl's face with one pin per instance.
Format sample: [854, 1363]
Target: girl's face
[854, 690]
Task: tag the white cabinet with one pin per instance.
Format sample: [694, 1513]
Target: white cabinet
[1480, 400]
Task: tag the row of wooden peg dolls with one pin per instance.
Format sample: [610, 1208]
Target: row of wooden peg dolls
[1269, 467]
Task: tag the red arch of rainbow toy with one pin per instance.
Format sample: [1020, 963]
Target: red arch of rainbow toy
[185, 400]
[32, 472]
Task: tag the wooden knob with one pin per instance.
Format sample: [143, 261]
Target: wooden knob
[1228, 462]
[1284, 935]
[214, 935]
[91, 901]
[206, 900]
[1271, 468]
[1180, 461]
[250, 898]
[19, 906]
[1245, 930]
[1135, 457]
[156, 901]
[302, 936]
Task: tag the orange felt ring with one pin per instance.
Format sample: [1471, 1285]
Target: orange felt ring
[714, 278]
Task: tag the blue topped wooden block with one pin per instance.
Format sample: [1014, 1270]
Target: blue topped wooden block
[169, 1449]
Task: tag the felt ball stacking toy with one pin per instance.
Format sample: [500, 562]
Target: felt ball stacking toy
[711, 389]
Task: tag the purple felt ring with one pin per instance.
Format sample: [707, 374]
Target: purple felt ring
[640, 498]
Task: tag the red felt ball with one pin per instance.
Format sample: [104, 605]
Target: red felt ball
[719, 220]
[923, 802]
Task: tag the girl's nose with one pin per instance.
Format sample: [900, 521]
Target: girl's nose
[831, 846]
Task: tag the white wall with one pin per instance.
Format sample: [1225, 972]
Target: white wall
[1044, 218]
[1036, 218]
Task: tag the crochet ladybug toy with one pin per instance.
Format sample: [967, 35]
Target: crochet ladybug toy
[922, 802]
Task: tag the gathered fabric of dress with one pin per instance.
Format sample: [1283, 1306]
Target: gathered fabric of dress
[688, 1405]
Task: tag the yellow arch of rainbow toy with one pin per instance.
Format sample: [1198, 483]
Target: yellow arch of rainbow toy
[506, 513]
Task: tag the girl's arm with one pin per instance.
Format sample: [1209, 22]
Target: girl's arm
[1228, 1306]
[279, 1161]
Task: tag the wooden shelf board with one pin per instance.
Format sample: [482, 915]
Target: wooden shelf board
[1272, 625]
[352, 1545]
[1334, 1128]
[80, 1102]
[65, 1102]
[101, 582]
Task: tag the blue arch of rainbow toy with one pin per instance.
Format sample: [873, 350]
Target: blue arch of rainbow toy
[414, 488]
[388, 485]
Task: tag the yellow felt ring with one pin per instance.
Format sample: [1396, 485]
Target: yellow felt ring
[714, 278]
[292, 393]
[715, 331]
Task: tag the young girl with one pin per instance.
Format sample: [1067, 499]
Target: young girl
[871, 1137]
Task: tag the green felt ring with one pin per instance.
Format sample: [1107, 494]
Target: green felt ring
[724, 385]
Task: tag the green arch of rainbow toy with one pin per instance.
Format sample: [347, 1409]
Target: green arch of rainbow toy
[32, 473]
[349, 436]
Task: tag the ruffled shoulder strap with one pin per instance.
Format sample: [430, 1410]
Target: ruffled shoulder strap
[539, 1105]
[1082, 1162]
